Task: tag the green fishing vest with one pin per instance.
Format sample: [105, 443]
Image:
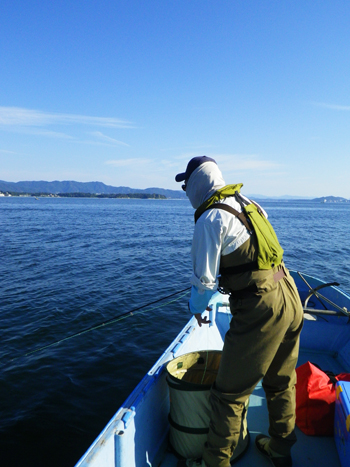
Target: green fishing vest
[270, 252]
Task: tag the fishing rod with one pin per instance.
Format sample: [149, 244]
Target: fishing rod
[106, 323]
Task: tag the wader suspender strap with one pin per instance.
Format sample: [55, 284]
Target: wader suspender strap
[240, 215]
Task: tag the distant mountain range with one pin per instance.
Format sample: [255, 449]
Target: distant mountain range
[82, 187]
[56, 187]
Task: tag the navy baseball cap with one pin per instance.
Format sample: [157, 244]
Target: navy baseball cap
[191, 167]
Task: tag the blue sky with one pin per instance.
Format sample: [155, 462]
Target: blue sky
[126, 92]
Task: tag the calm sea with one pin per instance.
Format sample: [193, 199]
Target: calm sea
[70, 264]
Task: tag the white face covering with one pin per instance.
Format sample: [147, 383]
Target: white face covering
[203, 183]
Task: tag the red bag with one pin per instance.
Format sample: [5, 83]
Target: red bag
[315, 399]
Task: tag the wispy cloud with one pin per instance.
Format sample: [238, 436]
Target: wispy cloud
[5, 151]
[17, 116]
[48, 133]
[136, 162]
[332, 106]
[235, 162]
[107, 139]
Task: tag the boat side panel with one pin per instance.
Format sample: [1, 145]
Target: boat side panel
[140, 442]
[102, 454]
[323, 336]
[344, 355]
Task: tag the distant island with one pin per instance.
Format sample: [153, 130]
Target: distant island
[74, 189]
[332, 199]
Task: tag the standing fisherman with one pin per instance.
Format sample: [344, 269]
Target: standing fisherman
[233, 241]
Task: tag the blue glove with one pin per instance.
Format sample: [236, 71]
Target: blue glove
[199, 300]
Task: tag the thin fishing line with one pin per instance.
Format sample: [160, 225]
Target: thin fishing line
[134, 312]
[206, 363]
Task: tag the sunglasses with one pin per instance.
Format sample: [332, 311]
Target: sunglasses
[184, 186]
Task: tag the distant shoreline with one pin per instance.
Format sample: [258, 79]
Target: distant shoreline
[157, 196]
[86, 195]
[71, 188]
